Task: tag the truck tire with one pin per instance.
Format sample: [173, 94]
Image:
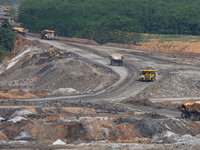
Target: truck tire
[121, 63]
[49, 37]
[193, 116]
[184, 114]
[152, 79]
[111, 62]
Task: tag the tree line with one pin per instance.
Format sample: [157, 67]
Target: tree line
[105, 21]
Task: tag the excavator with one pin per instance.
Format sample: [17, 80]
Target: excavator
[52, 52]
[6, 12]
[47, 34]
[20, 30]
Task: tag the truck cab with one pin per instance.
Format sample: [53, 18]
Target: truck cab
[148, 75]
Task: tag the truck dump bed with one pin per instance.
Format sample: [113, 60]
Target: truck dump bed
[116, 59]
[20, 30]
[116, 56]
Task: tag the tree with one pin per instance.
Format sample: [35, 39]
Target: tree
[13, 14]
[6, 38]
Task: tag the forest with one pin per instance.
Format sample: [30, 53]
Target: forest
[119, 21]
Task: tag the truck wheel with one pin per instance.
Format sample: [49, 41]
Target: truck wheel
[187, 115]
[111, 62]
[193, 116]
[152, 79]
[121, 63]
[184, 114]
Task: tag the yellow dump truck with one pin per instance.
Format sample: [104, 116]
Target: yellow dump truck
[191, 110]
[6, 12]
[47, 34]
[20, 30]
[116, 59]
[148, 74]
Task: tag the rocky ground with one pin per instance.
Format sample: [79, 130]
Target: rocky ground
[89, 126]
[112, 114]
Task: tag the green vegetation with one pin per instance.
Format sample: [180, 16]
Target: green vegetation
[6, 38]
[13, 13]
[111, 20]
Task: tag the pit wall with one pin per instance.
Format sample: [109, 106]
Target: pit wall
[86, 124]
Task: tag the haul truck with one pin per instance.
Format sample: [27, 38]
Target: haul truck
[191, 110]
[20, 30]
[6, 12]
[116, 59]
[148, 74]
[47, 34]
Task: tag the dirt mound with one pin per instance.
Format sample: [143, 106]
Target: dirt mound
[139, 100]
[32, 70]
[179, 85]
[85, 124]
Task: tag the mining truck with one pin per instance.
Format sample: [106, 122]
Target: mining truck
[47, 34]
[148, 74]
[20, 30]
[116, 59]
[191, 110]
[6, 12]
